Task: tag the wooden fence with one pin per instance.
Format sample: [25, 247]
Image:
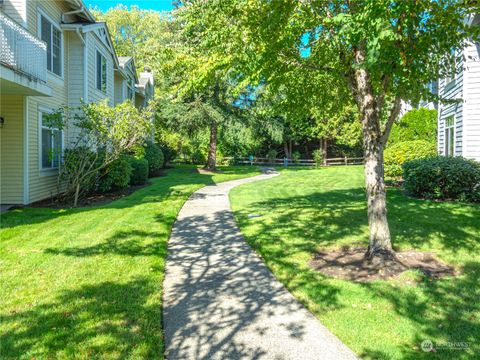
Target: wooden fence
[300, 162]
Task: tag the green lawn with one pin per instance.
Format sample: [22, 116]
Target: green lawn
[303, 210]
[86, 283]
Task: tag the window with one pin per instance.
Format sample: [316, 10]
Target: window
[101, 72]
[450, 136]
[53, 38]
[450, 78]
[52, 143]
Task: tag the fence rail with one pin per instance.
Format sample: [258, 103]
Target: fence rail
[300, 162]
[21, 51]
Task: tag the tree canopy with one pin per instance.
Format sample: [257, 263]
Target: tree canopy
[375, 52]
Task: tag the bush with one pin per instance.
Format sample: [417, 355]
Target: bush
[169, 154]
[198, 157]
[296, 157]
[73, 159]
[140, 170]
[155, 158]
[317, 157]
[417, 124]
[442, 177]
[271, 156]
[116, 175]
[396, 155]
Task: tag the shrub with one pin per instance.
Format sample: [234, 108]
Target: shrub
[116, 175]
[442, 177]
[317, 157]
[155, 158]
[271, 156]
[198, 157]
[295, 157]
[396, 155]
[73, 160]
[169, 154]
[140, 170]
[417, 124]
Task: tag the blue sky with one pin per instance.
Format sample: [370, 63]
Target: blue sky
[104, 5]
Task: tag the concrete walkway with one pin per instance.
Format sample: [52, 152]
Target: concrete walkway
[220, 300]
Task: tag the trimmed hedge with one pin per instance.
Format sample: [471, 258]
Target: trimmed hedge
[116, 175]
[155, 158]
[140, 170]
[439, 177]
[396, 155]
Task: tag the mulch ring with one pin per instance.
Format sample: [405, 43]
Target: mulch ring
[351, 264]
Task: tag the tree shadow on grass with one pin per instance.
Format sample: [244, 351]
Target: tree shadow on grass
[128, 243]
[446, 312]
[442, 310]
[338, 217]
[105, 320]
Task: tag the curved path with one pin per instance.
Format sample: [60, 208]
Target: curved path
[220, 300]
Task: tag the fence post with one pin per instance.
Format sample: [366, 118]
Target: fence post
[346, 161]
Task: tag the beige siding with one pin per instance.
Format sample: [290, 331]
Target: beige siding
[76, 87]
[11, 149]
[43, 183]
[119, 88]
[95, 95]
[67, 89]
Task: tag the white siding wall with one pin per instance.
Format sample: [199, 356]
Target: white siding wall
[446, 110]
[471, 144]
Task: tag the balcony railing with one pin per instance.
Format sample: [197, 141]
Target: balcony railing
[21, 51]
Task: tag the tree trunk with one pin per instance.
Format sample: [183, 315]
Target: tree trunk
[324, 151]
[77, 193]
[380, 239]
[290, 148]
[212, 147]
[285, 148]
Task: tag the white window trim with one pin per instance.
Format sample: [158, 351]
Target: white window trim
[445, 128]
[98, 50]
[40, 13]
[50, 170]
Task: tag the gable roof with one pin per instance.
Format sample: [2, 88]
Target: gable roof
[124, 60]
[89, 27]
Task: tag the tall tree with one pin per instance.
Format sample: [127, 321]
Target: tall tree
[383, 51]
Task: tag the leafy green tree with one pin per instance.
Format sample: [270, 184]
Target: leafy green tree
[103, 135]
[417, 124]
[382, 51]
[147, 36]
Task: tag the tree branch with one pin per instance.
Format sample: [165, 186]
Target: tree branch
[391, 120]
[297, 63]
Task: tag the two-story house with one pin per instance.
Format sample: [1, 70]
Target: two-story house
[459, 122]
[53, 53]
